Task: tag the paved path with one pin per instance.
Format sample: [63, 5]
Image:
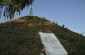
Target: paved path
[52, 44]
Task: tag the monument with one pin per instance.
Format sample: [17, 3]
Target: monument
[31, 11]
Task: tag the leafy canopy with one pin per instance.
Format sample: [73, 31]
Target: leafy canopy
[9, 7]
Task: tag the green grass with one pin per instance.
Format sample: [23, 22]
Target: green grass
[21, 36]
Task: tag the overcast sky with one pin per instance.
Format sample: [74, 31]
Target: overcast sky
[71, 13]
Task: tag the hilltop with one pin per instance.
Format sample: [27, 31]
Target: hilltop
[21, 36]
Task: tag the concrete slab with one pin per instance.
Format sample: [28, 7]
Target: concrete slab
[52, 44]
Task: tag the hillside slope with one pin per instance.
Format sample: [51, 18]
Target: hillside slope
[21, 36]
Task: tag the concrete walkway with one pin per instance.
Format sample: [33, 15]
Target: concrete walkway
[52, 44]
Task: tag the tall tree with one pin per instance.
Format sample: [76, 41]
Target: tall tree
[9, 7]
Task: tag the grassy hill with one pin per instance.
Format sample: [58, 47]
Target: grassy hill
[21, 36]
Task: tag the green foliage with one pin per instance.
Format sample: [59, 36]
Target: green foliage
[21, 36]
[12, 6]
